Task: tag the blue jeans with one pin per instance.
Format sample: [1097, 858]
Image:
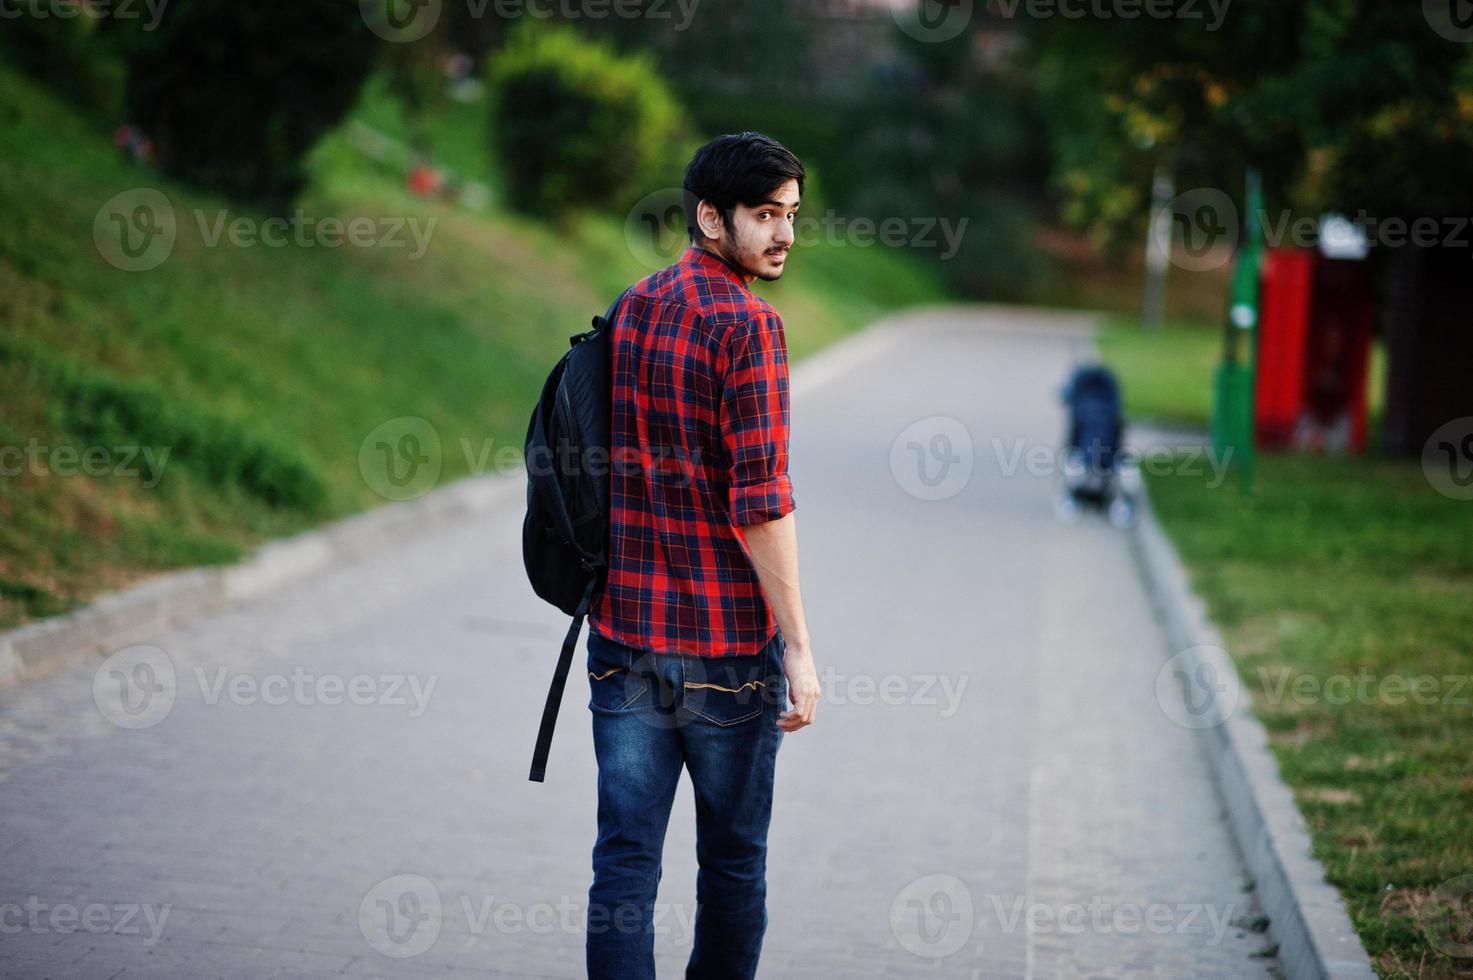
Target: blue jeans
[652, 714]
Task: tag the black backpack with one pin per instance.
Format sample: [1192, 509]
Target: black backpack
[565, 533]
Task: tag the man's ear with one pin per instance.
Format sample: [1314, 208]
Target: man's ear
[708, 220]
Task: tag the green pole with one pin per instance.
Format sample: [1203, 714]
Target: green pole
[1232, 415]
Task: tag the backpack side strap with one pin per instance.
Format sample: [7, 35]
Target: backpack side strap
[559, 681]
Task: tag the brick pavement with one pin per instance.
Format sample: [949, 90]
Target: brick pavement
[991, 789]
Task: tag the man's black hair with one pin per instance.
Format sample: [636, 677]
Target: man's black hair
[738, 168]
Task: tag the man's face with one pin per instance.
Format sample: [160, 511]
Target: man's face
[761, 235]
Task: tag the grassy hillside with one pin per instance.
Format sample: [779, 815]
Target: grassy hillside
[263, 369]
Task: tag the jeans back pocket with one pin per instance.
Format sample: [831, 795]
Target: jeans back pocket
[728, 693]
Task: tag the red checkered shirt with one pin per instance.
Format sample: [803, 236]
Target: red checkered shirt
[699, 449]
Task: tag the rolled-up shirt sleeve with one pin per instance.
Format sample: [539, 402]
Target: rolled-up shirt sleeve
[755, 419]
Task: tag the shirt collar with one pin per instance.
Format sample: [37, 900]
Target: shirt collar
[710, 261]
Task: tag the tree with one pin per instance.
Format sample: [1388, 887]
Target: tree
[235, 94]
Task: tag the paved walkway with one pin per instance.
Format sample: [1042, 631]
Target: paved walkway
[992, 789]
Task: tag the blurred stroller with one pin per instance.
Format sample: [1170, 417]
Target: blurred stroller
[1098, 472]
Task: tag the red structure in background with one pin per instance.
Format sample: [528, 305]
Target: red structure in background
[1314, 352]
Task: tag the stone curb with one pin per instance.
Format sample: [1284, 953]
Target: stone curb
[1307, 916]
[174, 598]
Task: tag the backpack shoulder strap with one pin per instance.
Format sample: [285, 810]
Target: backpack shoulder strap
[601, 322]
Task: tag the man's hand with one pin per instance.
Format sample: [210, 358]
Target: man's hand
[802, 689]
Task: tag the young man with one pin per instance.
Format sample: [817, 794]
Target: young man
[699, 632]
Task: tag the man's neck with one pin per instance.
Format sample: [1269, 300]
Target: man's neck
[747, 277]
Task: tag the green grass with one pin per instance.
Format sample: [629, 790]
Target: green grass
[263, 369]
[1166, 375]
[1353, 569]
[1339, 584]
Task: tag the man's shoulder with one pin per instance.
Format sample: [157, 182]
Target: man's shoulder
[714, 298]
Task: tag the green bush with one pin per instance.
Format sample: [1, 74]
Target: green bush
[106, 412]
[234, 94]
[575, 125]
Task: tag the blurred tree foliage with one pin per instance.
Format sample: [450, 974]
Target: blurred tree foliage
[1344, 104]
[925, 132]
[577, 125]
[937, 133]
[235, 94]
[77, 55]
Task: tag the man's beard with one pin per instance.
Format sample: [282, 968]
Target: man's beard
[743, 260]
